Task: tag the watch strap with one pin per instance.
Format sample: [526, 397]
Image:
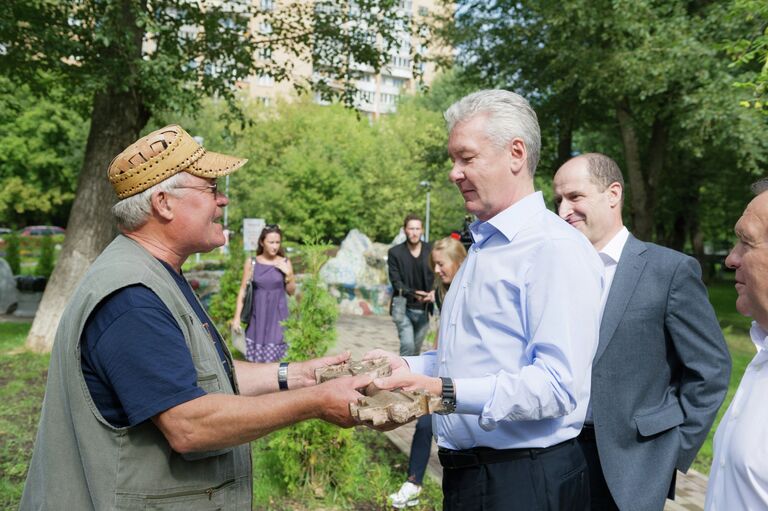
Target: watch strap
[282, 376]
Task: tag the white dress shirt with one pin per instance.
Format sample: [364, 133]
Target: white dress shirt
[739, 475]
[610, 255]
[518, 332]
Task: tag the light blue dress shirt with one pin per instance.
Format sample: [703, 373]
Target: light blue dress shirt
[518, 331]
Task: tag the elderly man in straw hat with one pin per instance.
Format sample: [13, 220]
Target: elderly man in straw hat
[144, 405]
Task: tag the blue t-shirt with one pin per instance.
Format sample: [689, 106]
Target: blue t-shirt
[135, 360]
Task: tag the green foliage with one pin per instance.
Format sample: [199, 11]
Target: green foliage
[41, 149]
[749, 50]
[315, 455]
[222, 306]
[171, 54]
[311, 325]
[319, 171]
[47, 257]
[687, 149]
[13, 252]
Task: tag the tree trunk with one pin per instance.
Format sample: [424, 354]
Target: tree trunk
[642, 220]
[116, 120]
[564, 140]
[642, 184]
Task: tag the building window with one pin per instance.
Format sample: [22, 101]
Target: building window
[265, 80]
[264, 53]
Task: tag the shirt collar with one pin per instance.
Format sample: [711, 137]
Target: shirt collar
[509, 221]
[613, 249]
[759, 336]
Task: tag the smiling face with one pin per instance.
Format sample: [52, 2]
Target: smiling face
[749, 257]
[581, 203]
[488, 176]
[445, 268]
[199, 214]
[271, 244]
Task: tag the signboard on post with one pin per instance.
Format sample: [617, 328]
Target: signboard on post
[251, 231]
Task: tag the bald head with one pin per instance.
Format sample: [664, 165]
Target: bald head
[588, 195]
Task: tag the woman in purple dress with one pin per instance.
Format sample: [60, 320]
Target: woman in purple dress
[272, 276]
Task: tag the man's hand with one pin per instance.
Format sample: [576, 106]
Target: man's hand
[336, 396]
[396, 362]
[411, 381]
[424, 296]
[302, 374]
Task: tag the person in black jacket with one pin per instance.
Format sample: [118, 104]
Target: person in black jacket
[412, 281]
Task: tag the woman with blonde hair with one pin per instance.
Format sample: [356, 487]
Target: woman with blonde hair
[446, 258]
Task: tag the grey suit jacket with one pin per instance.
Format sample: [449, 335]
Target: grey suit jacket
[659, 375]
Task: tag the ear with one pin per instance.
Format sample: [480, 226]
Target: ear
[615, 194]
[518, 155]
[161, 205]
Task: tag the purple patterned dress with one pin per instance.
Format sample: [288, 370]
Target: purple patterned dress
[264, 339]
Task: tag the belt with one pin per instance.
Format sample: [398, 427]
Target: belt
[588, 433]
[486, 455]
[399, 292]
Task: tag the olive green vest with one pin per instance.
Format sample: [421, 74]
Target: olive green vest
[80, 462]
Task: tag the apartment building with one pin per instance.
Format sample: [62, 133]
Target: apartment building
[376, 93]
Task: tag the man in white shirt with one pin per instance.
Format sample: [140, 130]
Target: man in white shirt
[662, 365]
[739, 475]
[518, 326]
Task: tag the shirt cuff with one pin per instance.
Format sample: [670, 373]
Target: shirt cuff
[473, 393]
[425, 364]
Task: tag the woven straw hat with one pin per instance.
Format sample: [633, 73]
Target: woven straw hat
[160, 155]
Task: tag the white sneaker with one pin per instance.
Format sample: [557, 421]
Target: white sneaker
[406, 496]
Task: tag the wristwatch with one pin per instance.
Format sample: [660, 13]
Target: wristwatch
[449, 397]
[282, 376]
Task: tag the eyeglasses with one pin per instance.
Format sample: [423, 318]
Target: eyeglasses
[271, 227]
[214, 188]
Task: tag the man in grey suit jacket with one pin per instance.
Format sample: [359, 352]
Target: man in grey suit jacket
[662, 366]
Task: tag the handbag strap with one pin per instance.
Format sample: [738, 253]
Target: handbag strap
[253, 268]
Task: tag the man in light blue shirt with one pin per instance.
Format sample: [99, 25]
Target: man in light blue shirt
[518, 330]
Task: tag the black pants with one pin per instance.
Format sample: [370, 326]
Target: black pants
[536, 479]
[600, 496]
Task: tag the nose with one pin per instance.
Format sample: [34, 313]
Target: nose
[456, 174]
[733, 261]
[564, 209]
[221, 199]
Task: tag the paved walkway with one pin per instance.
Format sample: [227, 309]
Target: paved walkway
[360, 334]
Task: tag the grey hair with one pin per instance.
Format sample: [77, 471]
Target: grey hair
[603, 170]
[133, 212]
[760, 186]
[509, 116]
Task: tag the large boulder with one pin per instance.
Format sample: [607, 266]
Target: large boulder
[357, 276]
[8, 294]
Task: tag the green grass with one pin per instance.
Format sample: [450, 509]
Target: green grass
[22, 385]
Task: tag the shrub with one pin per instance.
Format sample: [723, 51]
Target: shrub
[13, 253]
[222, 307]
[47, 258]
[315, 457]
